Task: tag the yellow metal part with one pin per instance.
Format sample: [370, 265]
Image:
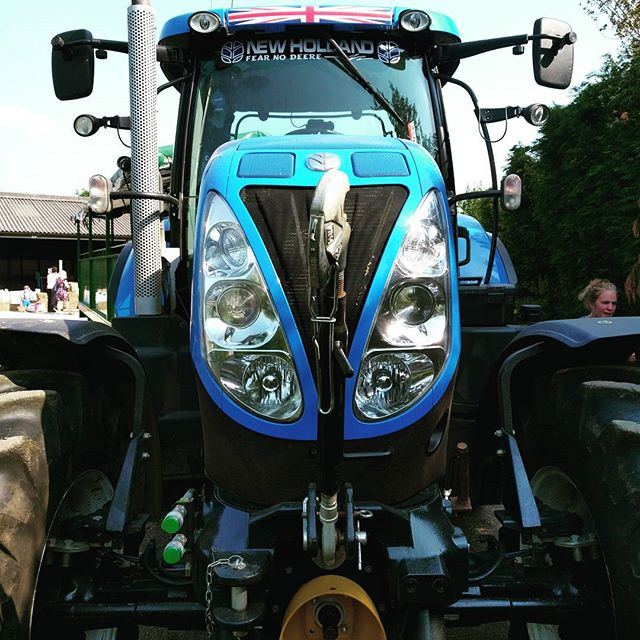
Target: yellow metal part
[360, 620]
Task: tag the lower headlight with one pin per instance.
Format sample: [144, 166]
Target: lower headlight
[390, 381]
[265, 383]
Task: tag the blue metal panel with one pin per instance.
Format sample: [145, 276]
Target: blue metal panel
[124, 306]
[368, 164]
[480, 246]
[267, 165]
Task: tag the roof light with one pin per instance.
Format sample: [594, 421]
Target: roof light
[415, 21]
[204, 22]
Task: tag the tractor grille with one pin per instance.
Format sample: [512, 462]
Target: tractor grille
[282, 217]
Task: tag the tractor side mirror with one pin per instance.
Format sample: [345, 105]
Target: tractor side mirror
[72, 64]
[553, 53]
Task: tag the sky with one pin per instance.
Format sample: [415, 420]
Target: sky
[43, 155]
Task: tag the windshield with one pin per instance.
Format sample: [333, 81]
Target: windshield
[289, 86]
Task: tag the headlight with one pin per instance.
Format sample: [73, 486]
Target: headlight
[204, 22]
[243, 341]
[409, 339]
[390, 381]
[239, 315]
[265, 383]
[226, 252]
[415, 20]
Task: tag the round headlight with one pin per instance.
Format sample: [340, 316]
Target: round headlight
[412, 304]
[390, 381]
[415, 21]
[204, 22]
[85, 125]
[265, 383]
[238, 306]
[423, 251]
[239, 315]
[225, 251]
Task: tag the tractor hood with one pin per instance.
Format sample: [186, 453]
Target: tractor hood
[266, 186]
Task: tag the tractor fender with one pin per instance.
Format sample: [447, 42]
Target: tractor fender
[603, 340]
[72, 330]
[538, 350]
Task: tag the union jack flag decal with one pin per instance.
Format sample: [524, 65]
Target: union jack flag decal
[310, 14]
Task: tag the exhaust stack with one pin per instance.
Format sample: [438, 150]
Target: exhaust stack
[145, 217]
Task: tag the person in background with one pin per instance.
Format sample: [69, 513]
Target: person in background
[26, 298]
[62, 297]
[599, 298]
[52, 276]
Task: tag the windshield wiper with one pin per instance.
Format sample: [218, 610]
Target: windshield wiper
[364, 83]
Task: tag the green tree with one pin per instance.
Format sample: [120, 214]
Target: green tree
[582, 178]
[623, 16]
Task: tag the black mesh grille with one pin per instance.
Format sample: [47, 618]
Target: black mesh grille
[282, 217]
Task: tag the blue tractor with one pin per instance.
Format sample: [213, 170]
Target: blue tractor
[306, 364]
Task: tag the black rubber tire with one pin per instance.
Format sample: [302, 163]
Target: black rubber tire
[53, 426]
[586, 422]
[24, 494]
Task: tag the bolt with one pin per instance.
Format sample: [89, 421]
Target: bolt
[275, 609]
[288, 570]
[146, 455]
[440, 585]
[146, 435]
[500, 452]
[368, 568]
[498, 433]
[410, 585]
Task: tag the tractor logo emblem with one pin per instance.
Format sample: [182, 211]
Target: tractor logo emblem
[232, 52]
[322, 161]
[389, 52]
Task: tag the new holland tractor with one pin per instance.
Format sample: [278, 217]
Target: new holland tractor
[308, 362]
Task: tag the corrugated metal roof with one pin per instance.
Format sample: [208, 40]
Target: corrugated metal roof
[29, 215]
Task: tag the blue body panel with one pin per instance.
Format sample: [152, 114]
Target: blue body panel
[124, 305]
[384, 15]
[222, 176]
[480, 246]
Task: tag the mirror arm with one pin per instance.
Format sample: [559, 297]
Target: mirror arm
[119, 46]
[460, 50]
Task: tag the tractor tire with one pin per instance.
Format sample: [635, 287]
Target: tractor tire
[580, 438]
[24, 494]
[56, 427]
